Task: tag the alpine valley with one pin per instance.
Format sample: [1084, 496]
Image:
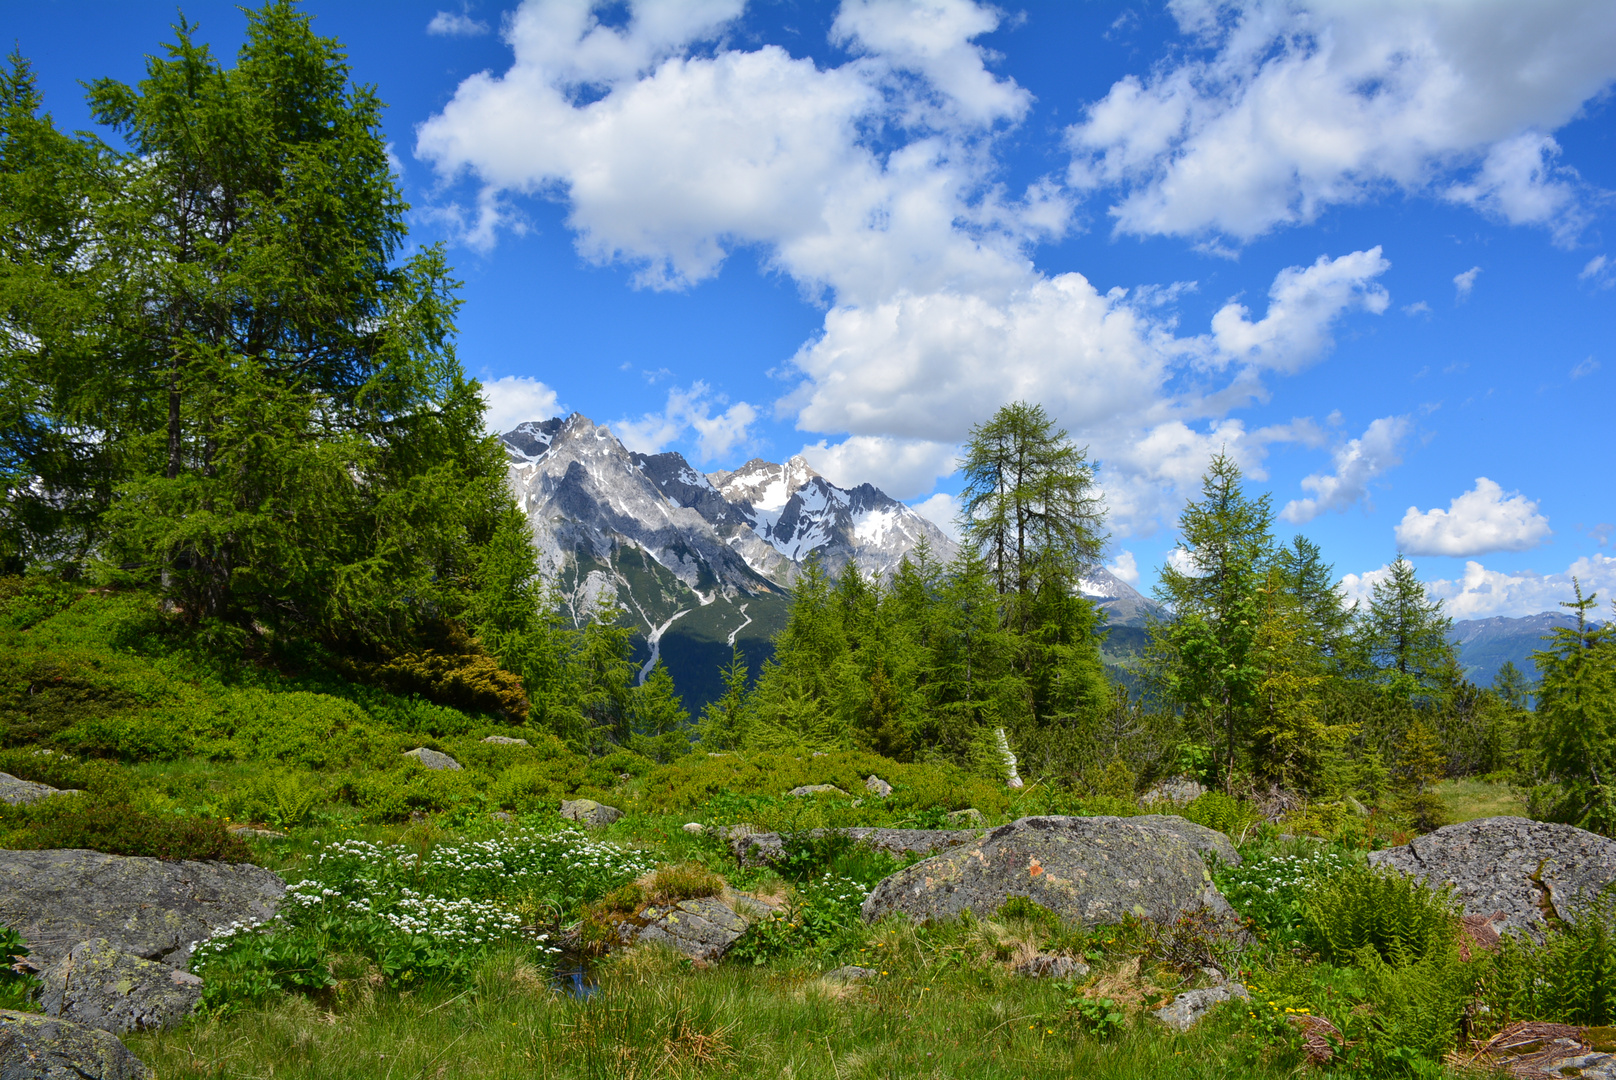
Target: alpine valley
[702, 563]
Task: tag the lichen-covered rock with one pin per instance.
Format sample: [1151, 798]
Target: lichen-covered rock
[1093, 870]
[22, 792]
[34, 1047]
[1178, 790]
[150, 909]
[100, 987]
[1045, 966]
[1513, 865]
[815, 789]
[704, 928]
[589, 812]
[432, 759]
[505, 740]
[753, 848]
[877, 786]
[1186, 1010]
[969, 818]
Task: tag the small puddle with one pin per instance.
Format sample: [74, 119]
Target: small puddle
[574, 976]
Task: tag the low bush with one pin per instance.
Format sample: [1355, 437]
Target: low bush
[1380, 909]
[117, 828]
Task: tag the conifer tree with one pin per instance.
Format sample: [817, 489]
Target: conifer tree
[1203, 657]
[725, 723]
[1403, 636]
[1577, 709]
[657, 717]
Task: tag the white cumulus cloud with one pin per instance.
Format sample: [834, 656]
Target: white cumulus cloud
[1125, 567]
[1480, 593]
[515, 399]
[875, 186]
[1357, 462]
[942, 510]
[1464, 283]
[690, 410]
[1482, 520]
[456, 24]
[1283, 108]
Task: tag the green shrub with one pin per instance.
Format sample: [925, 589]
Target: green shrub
[808, 857]
[16, 986]
[120, 829]
[1272, 891]
[1414, 1011]
[1568, 978]
[1233, 817]
[1378, 908]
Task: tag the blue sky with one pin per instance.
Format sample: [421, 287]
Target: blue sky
[1366, 247]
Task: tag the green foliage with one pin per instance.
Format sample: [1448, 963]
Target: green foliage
[822, 917]
[1403, 638]
[1272, 889]
[1414, 1010]
[1577, 710]
[1382, 910]
[1233, 817]
[418, 918]
[1569, 977]
[17, 987]
[117, 828]
[1100, 1018]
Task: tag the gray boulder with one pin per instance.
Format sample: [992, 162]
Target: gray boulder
[34, 1047]
[877, 786]
[694, 828]
[1186, 1010]
[754, 848]
[1178, 790]
[969, 818]
[150, 909]
[589, 812]
[815, 789]
[1511, 865]
[505, 740]
[100, 987]
[432, 759]
[1093, 871]
[22, 792]
[1044, 966]
[704, 928]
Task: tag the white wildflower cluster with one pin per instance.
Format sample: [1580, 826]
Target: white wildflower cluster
[838, 890]
[221, 939]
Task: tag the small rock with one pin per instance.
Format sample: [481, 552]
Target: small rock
[253, 830]
[966, 819]
[704, 928]
[1044, 966]
[850, 973]
[590, 812]
[1358, 808]
[877, 786]
[500, 815]
[694, 828]
[1178, 790]
[432, 759]
[815, 789]
[1187, 1009]
[36, 1047]
[22, 792]
[96, 985]
[505, 740]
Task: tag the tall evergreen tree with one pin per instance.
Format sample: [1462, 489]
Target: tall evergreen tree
[1202, 658]
[292, 446]
[1403, 636]
[1577, 707]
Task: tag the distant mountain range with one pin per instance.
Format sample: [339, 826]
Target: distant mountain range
[702, 562]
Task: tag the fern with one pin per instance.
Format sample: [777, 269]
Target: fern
[1400, 919]
[1569, 977]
